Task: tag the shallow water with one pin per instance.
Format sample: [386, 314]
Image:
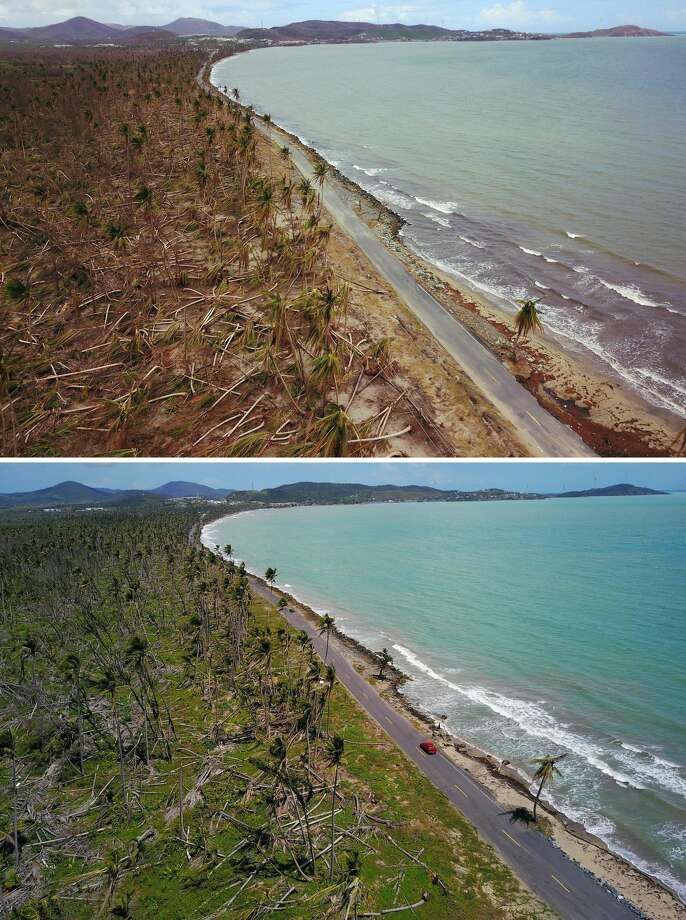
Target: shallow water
[528, 628]
[547, 169]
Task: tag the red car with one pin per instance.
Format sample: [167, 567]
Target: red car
[429, 747]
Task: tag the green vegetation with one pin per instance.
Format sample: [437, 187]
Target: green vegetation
[171, 748]
[527, 319]
[385, 659]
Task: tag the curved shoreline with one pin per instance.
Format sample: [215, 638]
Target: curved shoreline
[492, 323]
[481, 761]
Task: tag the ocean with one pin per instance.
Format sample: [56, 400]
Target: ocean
[552, 170]
[527, 628]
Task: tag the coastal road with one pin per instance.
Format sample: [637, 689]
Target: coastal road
[540, 432]
[547, 871]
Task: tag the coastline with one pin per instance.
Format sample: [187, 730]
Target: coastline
[650, 896]
[575, 387]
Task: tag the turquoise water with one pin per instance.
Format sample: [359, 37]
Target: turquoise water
[527, 628]
[547, 169]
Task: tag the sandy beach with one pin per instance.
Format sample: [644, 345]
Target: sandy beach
[574, 387]
[505, 784]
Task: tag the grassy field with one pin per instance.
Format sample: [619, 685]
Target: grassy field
[172, 749]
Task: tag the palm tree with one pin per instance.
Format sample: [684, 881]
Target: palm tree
[333, 431]
[72, 671]
[144, 197]
[326, 628]
[28, 650]
[527, 319]
[267, 120]
[385, 659]
[546, 773]
[305, 644]
[8, 748]
[334, 755]
[330, 678]
[321, 171]
[323, 374]
[228, 552]
[270, 577]
[107, 683]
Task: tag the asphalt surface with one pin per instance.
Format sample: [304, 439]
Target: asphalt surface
[540, 432]
[545, 869]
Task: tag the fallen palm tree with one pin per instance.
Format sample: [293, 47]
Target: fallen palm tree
[171, 747]
[165, 284]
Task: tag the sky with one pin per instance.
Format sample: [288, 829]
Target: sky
[525, 476]
[528, 15]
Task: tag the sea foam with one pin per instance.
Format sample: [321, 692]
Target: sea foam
[446, 207]
[535, 722]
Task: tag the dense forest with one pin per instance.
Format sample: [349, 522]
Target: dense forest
[171, 748]
[165, 278]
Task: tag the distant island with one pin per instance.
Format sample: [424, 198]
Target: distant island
[82, 30]
[75, 494]
[618, 32]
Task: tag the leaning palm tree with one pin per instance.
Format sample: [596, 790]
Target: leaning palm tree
[270, 577]
[326, 628]
[546, 773]
[527, 319]
[334, 755]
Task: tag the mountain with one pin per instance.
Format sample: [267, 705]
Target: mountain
[186, 26]
[78, 29]
[622, 488]
[617, 32]
[74, 494]
[318, 493]
[313, 30]
[180, 489]
[81, 30]
[67, 493]
[11, 35]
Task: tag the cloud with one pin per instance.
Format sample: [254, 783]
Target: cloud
[379, 13]
[517, 15]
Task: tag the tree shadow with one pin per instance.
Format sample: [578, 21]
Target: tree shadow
[520, 815]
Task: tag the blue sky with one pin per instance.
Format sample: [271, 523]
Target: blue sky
[531, 15]
[525, 476]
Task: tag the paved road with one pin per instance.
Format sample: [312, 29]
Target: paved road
[541, 433]
[558, 881]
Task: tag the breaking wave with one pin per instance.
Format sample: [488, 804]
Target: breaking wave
[531, 718]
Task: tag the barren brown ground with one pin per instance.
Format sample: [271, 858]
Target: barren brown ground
[170, 287]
